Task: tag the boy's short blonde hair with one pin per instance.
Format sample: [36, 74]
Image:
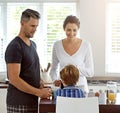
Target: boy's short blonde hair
[70, 74]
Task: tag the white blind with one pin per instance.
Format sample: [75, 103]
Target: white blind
[113, 38]
[2, 42]
[50, 28]
[115, 18]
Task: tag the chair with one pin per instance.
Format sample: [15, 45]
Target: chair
[77, 105]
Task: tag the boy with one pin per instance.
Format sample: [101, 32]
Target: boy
[69, 77]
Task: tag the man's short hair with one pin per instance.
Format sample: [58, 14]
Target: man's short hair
[28, 13]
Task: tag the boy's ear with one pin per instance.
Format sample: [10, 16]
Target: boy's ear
[63, 82]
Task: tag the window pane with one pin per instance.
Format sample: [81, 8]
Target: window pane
[2, 43]
[54, 15]
[113, 38]
[14, 11]
[12, 24]
[50, 27]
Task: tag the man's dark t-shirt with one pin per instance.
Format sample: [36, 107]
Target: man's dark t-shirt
[18, 52]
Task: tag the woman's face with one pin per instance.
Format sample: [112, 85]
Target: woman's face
[71, 30]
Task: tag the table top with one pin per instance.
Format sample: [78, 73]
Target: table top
[117, 101]
[50, 106]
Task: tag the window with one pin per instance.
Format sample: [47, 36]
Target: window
[50, 28]
[55, 14]
[113, 38]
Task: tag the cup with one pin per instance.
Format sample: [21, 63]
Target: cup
[111, 91]
[54, 89]
[46, 77]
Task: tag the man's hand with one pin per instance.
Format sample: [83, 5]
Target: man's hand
[45, 93]
[41, 84]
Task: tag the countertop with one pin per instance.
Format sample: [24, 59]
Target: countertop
[3, 84]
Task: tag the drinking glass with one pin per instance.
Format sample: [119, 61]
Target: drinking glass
[111, 91]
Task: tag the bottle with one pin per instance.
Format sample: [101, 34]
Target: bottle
[91, 93]
[102, 97]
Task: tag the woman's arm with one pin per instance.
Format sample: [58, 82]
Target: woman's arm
[54, 65]
[88, 69]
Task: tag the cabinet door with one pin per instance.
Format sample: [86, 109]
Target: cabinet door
[3, 92]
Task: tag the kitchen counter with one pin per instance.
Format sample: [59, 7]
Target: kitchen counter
[3, 85]
[116, 78]
[97, 85]
[94, 81]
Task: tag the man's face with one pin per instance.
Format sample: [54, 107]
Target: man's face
[30, 27]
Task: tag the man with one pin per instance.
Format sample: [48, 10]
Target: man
[23, 68]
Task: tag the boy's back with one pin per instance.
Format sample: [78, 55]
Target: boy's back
[70, 91]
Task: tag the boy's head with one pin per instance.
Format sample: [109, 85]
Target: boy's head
[69, 75]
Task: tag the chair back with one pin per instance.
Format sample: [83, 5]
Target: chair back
[77, 105]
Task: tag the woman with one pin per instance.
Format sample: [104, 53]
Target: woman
[72, 50]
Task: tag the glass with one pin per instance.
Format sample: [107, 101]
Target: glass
[54, 89]
[111, 91]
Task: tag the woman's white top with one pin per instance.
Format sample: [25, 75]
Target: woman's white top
[83, 59]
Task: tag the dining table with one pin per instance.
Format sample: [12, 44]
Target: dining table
[49, 106]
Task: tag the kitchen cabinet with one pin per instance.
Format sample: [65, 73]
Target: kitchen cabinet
[3, 92]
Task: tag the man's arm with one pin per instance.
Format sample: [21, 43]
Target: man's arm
[15, 80]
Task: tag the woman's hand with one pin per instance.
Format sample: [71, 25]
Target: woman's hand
[57, 82]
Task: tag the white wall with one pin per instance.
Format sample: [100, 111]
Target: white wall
[3, 76]
[92, 28]
[3, 92]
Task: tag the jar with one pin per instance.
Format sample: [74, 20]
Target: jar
[111, 91]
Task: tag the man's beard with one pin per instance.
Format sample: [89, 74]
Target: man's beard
[28, 36]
